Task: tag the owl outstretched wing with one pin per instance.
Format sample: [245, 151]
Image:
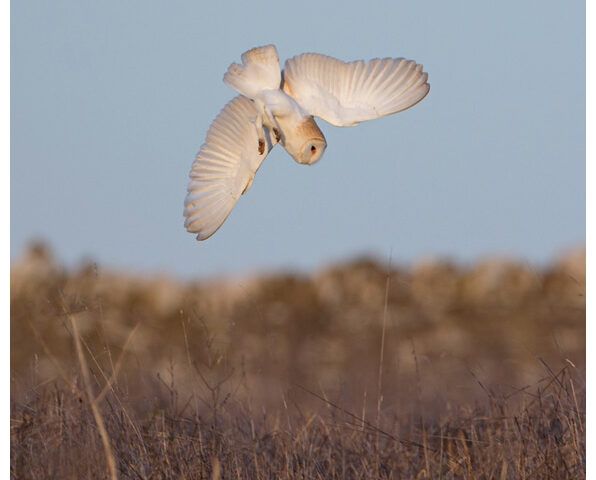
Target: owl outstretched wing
[345, 94]
[225, 167]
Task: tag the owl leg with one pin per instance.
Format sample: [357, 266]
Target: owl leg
[272, 124]
[260, 133]
[258, 121]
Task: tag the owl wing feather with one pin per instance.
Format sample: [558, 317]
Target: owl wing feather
[224, 168]
[259, 71]
[345, 94]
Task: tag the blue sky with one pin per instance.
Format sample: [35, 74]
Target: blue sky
[110, 101]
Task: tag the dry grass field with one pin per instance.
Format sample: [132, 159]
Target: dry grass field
[356, 371]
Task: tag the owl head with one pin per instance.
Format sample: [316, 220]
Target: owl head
[302, 139]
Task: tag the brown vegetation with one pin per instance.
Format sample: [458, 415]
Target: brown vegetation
[356, 371]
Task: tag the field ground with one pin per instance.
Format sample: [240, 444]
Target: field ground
[355, 371]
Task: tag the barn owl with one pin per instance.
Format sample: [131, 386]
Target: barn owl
[278, 107]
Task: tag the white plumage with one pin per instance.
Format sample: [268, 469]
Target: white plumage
[345, 94]
[224, 168]
[271, 110]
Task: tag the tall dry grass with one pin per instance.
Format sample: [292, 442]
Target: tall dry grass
[354, 372]
[538, 432]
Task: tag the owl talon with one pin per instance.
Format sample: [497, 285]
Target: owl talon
[277, 135]
[261, 146]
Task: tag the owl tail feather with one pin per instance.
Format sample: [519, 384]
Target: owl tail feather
[259, 71]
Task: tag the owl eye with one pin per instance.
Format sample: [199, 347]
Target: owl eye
[313, 149]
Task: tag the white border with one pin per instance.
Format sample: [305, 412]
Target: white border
[590, 224]
[5, 201]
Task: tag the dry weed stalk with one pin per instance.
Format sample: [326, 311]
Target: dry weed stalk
[92, 400]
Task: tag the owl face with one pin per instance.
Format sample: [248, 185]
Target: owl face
[302, 139]
[311, 151]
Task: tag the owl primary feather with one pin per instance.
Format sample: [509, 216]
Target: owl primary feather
[279, 107]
